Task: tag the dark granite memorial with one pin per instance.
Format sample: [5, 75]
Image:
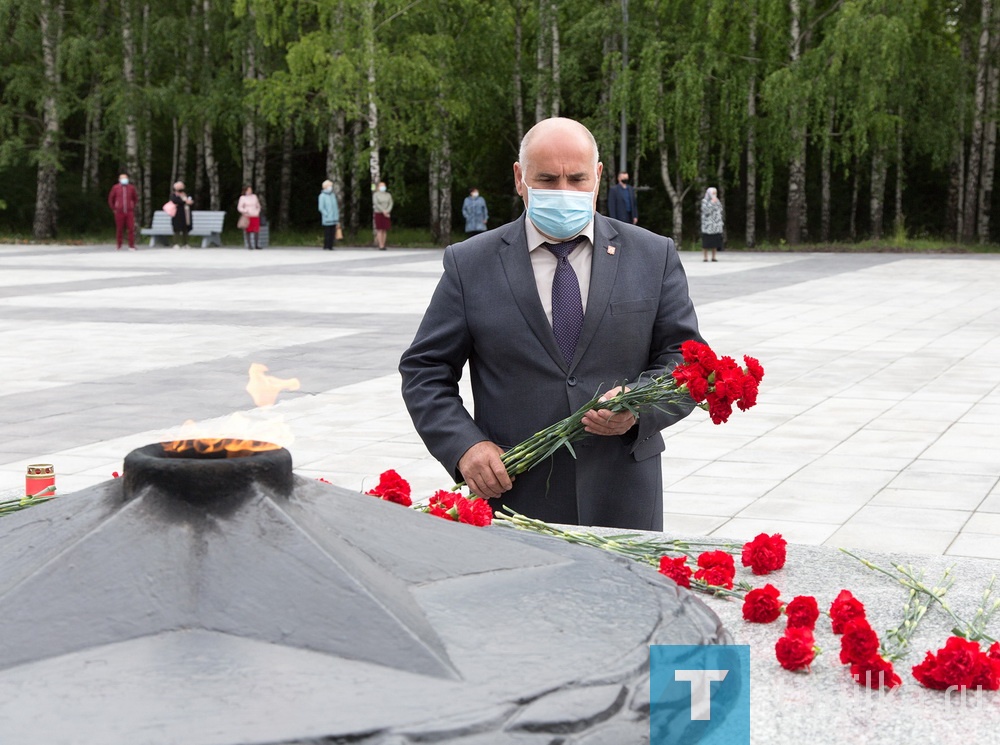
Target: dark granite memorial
[208, 600]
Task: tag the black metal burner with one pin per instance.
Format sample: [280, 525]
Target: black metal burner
[217, 478]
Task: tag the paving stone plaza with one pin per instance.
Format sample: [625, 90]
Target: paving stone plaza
[876, 425]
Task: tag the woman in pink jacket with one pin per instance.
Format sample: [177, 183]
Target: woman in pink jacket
[249, 207]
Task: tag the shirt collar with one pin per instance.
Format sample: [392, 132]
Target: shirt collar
[536, 239]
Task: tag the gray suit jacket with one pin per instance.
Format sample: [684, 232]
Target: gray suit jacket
[486, 311]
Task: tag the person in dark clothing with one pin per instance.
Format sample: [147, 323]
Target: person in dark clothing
[181, 221]
[621, 201]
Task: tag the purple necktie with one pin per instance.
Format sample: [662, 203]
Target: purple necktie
[567, 306]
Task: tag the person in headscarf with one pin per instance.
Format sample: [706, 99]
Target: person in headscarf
[711, 223]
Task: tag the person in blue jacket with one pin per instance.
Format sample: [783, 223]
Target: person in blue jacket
[475, 213]
[329, 214]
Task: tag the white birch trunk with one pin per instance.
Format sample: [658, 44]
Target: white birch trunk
[374, 162]
[876, 203]
[855, 191]
[128, 73]
[543, 61]
[518, 77]
[445, 186]
[554, 93]
[249, 141]
[675, 192]
[899, 219]
[979, 113]
[990, 133]
[794, 220]
[285, 181]
[360, 190]
[826, 174]
[145, 210]
[46, 195]
[751, 187]
[433, 194]
[336, 144]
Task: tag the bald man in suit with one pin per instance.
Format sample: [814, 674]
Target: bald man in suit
[500, 307]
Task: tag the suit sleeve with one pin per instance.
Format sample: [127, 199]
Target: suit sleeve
[432, 367]
[676, 322]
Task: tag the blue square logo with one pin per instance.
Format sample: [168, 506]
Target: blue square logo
[699, 695]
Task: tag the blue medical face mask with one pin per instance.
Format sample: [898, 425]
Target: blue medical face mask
[123, 181]
[560, 214]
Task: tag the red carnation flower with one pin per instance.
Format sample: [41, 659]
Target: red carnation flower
[796, 649]
[844, 609]
[719, 408]
[802, 612]
[474, 511]
[676, 569]
[749, 397]
[762, 605]
[393, 488]
[692, 376]
[702, 354]
[859, 643]
[960, 663]
[953, 665]
[442, 504]
[716, 568]
[875, 673]
[754, 368]
[988, 675]
[765, 553]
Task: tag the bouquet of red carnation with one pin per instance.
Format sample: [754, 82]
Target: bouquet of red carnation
[452, 506]
[714, 383]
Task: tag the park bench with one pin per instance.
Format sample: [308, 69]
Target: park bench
[205, 224]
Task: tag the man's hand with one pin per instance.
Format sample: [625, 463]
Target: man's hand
[603, 422]
[483, 470]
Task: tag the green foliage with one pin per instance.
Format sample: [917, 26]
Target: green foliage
[869, 71]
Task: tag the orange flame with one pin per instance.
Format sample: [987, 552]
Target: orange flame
[232, 447]
[264, 389]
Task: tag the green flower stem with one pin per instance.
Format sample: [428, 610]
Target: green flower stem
[16, 505]
[643, 550]
[657, 391]
[907, 579]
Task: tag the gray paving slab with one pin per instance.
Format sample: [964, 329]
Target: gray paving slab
[878, 405]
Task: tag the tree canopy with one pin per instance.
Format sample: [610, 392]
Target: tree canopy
[815, 119]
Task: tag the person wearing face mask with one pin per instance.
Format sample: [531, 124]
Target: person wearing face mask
[329, 212]
[123, 200]
[475, 213]
[546, 311]
[381, 207]
[621, 201]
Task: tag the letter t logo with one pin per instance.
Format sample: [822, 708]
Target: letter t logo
[701, 690]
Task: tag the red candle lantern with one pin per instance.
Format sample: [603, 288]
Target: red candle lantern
[39, 477]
